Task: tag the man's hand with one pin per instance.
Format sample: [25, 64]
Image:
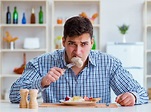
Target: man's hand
[52, 76]
[126, 99]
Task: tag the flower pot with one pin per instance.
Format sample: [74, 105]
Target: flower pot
[12, 45]
[124, 39]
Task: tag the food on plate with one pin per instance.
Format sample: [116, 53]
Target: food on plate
[67, 98]
[74, 99]
[81, 99]
[78, 62]
[91, 99]
[77, 98]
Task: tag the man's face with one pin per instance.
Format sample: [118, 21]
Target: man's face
[78, 46]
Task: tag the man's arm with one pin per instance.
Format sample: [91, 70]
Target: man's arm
[122, 82]
[29, 79]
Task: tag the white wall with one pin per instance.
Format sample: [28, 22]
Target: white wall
[117, 12]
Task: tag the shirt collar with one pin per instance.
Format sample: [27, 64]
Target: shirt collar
[63, 57]
[92, 59]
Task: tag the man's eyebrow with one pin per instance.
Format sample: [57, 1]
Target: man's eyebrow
[71, 41]
[85, 42]
[80, 42]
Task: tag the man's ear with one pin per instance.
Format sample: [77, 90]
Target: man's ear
[92, 41]
[63, 41]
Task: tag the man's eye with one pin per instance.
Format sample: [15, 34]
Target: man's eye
[83, 44]
[70, 43]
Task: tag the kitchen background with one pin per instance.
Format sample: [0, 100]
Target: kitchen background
[111, 15]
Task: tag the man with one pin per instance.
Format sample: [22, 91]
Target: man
[98, 73]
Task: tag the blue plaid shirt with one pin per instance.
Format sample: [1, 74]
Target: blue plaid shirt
[95, 80]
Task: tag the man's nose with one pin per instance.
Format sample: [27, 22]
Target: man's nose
[78, 50]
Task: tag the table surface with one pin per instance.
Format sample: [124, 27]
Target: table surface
[8, 107]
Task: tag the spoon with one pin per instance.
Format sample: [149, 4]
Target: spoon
[69, 65]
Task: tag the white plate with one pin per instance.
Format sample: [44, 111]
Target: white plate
[78, 102]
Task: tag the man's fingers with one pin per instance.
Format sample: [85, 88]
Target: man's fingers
[61, 71]
[56, 72]
[52, 76]
[118, 97]
[55, 77]
[126, 99]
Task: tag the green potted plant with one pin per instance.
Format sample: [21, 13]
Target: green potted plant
[123, 30]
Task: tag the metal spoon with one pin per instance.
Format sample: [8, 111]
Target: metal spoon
[69, 65]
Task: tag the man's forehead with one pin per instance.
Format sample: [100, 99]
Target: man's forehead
[78, 39]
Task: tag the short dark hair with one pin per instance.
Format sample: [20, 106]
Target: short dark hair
[76, 26]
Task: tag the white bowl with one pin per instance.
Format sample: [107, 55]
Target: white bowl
[31, 43]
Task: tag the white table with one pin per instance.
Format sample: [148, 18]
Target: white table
[8, 107]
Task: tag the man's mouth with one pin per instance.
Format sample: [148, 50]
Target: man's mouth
[78, 62]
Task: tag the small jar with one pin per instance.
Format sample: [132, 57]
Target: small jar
[59, 21]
